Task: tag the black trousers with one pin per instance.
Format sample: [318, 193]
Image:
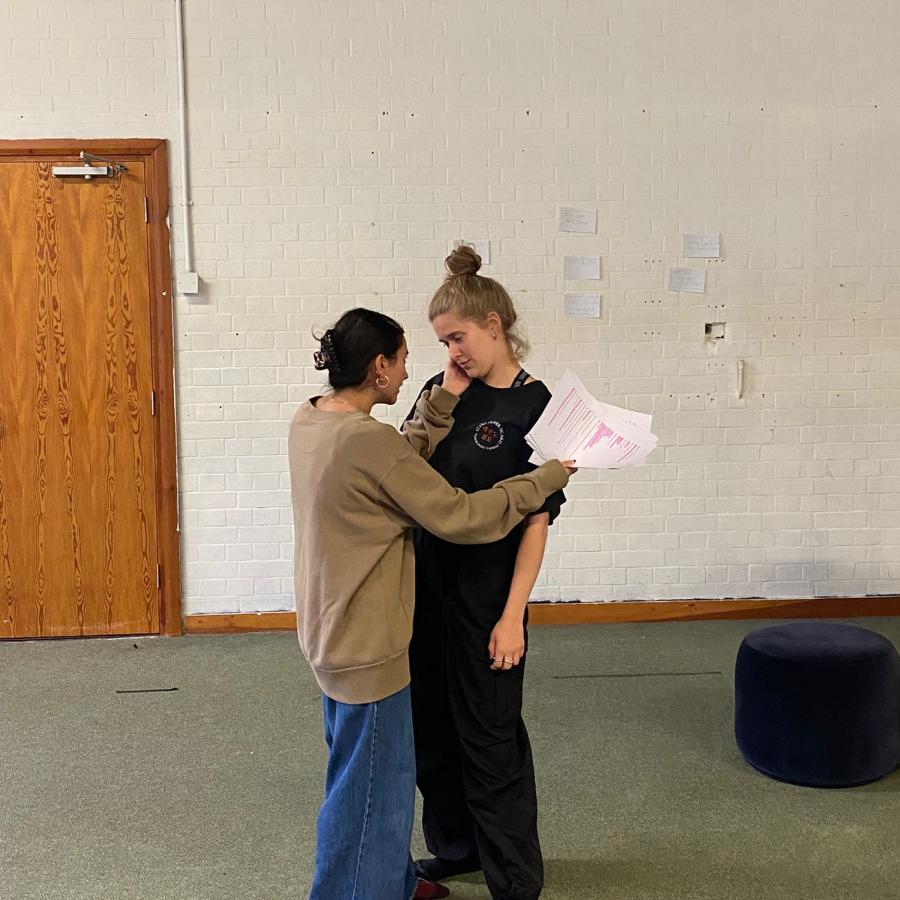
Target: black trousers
[474, 765]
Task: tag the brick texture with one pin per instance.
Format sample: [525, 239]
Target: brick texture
[338, 148]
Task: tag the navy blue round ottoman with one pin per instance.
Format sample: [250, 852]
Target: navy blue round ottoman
[818, 703]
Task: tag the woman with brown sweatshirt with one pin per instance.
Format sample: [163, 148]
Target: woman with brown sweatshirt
[358, 487]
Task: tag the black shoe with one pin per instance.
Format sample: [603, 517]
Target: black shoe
[435, 869]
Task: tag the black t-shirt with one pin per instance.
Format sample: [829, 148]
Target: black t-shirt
[486, 445]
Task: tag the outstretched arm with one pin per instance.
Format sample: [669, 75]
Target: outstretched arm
[417, 492]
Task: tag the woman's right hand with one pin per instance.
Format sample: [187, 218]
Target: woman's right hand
[569, 466]
[455, 379]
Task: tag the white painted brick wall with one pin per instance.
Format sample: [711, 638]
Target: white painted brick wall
[338, 148]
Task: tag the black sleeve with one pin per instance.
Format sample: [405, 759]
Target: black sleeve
[553, 505]
[554, 502]
[436, 379]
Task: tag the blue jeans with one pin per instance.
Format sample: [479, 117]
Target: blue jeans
[365, 823]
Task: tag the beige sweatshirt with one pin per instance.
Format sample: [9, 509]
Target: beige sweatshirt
[358, 486]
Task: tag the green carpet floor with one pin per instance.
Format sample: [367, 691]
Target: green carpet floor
[211, 790]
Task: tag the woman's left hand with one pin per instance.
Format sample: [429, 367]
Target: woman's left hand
[507, 644]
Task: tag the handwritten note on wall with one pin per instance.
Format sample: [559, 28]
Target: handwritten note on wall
[482, 248]
[691, 281]
[700, 246]
[580, 221]
[582, 268]
[582, 306]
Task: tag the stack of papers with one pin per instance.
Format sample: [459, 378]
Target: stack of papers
[596, 435]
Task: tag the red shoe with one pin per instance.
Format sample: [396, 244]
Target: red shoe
[429, 890]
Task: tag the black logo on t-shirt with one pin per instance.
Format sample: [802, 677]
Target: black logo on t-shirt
[489, 435]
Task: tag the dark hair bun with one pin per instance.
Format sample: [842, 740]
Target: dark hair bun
[463, 261]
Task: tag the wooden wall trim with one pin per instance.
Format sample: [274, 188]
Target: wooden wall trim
[700, 610]
[157, 186]
[240, 623]
[588, 613]
[128, 147]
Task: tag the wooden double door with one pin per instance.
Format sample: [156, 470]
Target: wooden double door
[86, 458]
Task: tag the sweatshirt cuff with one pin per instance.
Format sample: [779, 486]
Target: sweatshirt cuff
[442, 401]
[553, 476]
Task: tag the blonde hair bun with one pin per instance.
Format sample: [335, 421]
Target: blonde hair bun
[463, 261]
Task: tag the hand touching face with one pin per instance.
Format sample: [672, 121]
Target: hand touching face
[456, 379]
[474, 348]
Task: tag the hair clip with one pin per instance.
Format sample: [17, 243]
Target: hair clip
[327, 358]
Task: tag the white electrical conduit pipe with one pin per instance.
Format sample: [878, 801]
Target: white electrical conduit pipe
[182, 115]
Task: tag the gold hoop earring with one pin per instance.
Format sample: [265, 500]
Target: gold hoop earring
[378, 380]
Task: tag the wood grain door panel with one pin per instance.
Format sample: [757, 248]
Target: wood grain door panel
[78, 523]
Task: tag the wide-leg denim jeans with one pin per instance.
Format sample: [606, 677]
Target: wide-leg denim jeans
[366, 819]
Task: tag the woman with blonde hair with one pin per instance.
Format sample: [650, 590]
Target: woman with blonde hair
[473, 756]
[358, 487]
